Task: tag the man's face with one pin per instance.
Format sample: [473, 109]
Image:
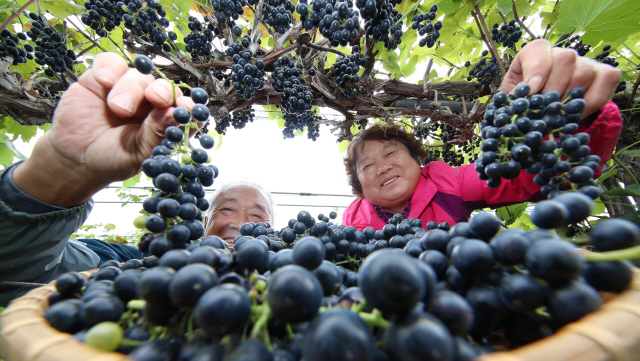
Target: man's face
[234, 208]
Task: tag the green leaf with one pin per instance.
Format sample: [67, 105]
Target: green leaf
[505, 7]
[61, 8]
[272, 111]
[609, 173]
[599, 208]
[131, 181]
[342, 146]
[449, 6]
[631, 190]
[600, 20]
[6, 155]
[510, 214]
[632, 152]
[331, 59]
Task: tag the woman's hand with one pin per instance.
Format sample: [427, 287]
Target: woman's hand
[104, 126]
[546, 68]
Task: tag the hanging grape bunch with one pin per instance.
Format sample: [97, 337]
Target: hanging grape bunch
[484, 72]
[381, 18]
[287, 81]
[239, 118]
[507, 34]
[346, 71]
[421, 129]
[513, 135]
[279, 14]
[50, 50]
[423, 23]
[294, 122]
[174, 214]
[576, 44]
[226, 11]
[337, 21]
[11, 46]
[198, 42]
[247, 77]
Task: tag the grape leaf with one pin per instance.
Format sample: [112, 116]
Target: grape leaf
[6, 155]
[631, 190]
[599, 207]
[505, 7]
[510, 214]
[600, 20]
[632, 153]
[342, 146]
[609, 173]
[449, 6]
[61, 8]
[131, 181]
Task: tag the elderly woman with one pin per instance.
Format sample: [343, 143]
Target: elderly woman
[384, 162]
[235, 204]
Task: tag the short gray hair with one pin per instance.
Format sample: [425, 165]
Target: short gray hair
[242, 184]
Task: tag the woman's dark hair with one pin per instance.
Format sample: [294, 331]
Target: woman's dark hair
[380, 132]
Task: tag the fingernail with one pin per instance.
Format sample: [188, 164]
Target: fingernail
[536, 83]
[163, 93]
[106, 75]
[123, 101]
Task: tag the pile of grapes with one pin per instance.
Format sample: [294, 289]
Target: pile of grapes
[423, 24]
[514, 139]
[198, 42]
[337, 21]
[319, 291]
[507, 34]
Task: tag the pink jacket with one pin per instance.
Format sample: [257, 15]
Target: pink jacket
[446, 194]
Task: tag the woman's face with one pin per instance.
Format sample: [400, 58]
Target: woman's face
[234, 208]
[387, 172]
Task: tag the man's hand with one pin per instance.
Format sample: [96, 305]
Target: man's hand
[546, 68]
[104, 126]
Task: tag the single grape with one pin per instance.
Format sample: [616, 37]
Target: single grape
[143, 64]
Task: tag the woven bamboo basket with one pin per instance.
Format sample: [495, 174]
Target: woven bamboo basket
[611, 333]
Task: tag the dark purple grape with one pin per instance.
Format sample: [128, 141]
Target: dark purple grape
[556, 262]
[222, 310]
[143, 64]
[294, 294]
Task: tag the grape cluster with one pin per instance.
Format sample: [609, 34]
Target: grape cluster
[346, 72]
[226, 11]
[173, 215]
[507, 34]
[484, 71]
[450, 288]
[279, 14]
[238, 119]
[51, 47]
[605, 58]
[147, 21]
[424, 25]
[576, 44]
[247, 77]
[198, 42]
[287, 80]
[337, 21]
[381, 18]
[11, 46]
[514, 131]
[294, 122]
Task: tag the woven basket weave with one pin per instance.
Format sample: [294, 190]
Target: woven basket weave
[611, 333]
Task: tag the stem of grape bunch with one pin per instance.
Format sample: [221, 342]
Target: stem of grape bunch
[617, 255]
[374, 319]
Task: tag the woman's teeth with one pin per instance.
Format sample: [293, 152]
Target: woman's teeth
[389, 181]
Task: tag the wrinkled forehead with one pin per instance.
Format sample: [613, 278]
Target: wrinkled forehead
[245, 196]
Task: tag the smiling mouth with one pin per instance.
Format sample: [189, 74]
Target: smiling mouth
[389, 181]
